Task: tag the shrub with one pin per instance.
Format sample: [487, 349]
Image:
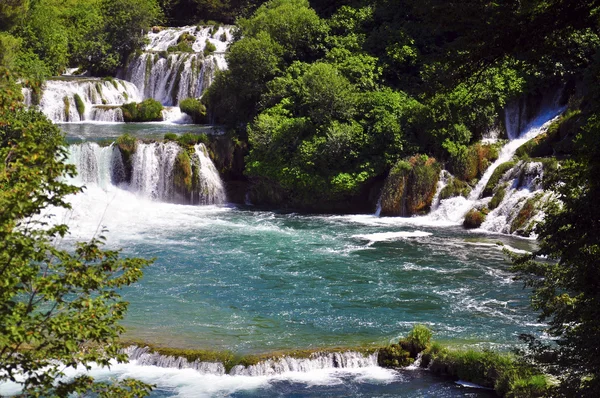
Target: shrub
[170, 137]
[209, 48]
[195, 109]
[189, 139]
[148, 110]
[394, 356]
[417, 340]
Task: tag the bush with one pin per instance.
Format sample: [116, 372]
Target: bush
[195, 109]
[170, 137]
[148, 110]
[209, 48]
[417, 340]
[189, 139]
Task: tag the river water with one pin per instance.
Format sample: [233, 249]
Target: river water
[253, 281]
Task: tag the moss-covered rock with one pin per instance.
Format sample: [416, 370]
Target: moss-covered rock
[495, 178]
[523, 223]
[67, 104]
[498, 197]
[469, 163]
[557, 140]
[394, 356]
[127, 145]
[410, 186]
[79, 104]
[455, 187]
[194, 108]
[183, 176]
[474, 218]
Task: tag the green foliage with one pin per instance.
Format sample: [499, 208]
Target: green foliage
[59, 307]
[182, 173]
[170, 136]
[195, 109]
[148, 110]
[190, 139]
[209, 48]
[522, 223]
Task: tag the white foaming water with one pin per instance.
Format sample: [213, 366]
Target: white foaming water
[524, 182]
[390, 236]
[172, 77]
[453, 210]
[152, 174]
[209, 181]
[100, 99]
[173, 114]
[443, 179]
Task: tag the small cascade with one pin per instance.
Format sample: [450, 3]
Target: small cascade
[86, 99]
[145, 357]
[27, 96]
[172, 114]
[152, 170]
[445, 176]
[270, 367]
[417, 363]
[211, 189]
[454, 209]
[96, 165]
[521, 204]
[170, 77]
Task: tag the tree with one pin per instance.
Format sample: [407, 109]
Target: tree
[59, 306]
[565, 273]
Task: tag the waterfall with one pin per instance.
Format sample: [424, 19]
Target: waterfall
[210, 185]
[96, 165]
[522, 184]
[100, 99]
[152, 168]
[269, 367]
[169, 77]
[445, 176]
[454, 209]
[152, 175]
[172, 114]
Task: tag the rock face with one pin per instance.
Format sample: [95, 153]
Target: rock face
[410, 187]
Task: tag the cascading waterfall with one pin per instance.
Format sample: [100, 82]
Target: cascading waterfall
[170, 77]
[210, 185]
[270, 367]
[454, 209]
[100, 99]
[96, 165]
[152, 171]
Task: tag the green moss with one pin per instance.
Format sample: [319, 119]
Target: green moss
[112, 81]
[170, 136]
[455, 188]
[498, 197]
[556, 140]
[474, 218]
[189, 139]
[394, 356]
[195, 109]
[79, 105]
[181, 47]
[496, 176]
[175, 90]
[99, 89]
[127, 145]
[67, 107]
